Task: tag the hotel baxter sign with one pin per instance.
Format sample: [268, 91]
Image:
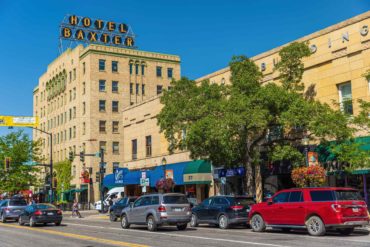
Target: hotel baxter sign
[88, 30]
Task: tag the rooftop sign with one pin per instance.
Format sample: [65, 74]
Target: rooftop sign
[88, 30]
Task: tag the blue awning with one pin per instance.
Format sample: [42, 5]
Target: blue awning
[158, 173]
[109, 182]
[132, 177]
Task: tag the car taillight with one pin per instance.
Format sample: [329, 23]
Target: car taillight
[38, 212]
[161, 208]
[59, 212]
[238, 207]
[336, 207]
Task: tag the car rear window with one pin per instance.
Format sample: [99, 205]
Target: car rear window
[17, 203]
[322, 195]
[175, 199]
[45, 206]
[347, 195]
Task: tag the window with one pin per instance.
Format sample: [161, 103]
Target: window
[74, 131]
[74, 74]
[155, 200]
[83, 88]
[169, 88]
[115, 127]
[143, 69]
[131, 88]
[345, 98]
[83, 128]
[175, 199]
[70, 114]
[83, 108]
[347, 195]
[83, 68]
[137, 88]
[74, 93]
[207, 202]
[103, 145]
[159, 89]
[148, 146]
[101, 64]
[114, 106]
[70, 133]
[102, 128]
[131, 68]
[115, 147]
[114, 66]
[322, 196]
[74, 112]
[101, 85]
[102, 105]
[134, 149]
[170, 73]
[114, 86]
[136, 69]
[143, 89]
[70, 96]
[218, 201]
[159, 71]
[296, 196]
[115, 166]
[281, 198]
[70, 76]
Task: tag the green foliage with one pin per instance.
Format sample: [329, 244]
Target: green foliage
[286, 152]
[63, 176]
[19, 148]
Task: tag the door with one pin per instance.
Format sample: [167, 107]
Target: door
[142, 209]
[202, 209]
[134, 211]
[295, 209]
[119, 206]
[275, 213]
[218, 205]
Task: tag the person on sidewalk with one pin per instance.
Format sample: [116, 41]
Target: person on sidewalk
[75, 211]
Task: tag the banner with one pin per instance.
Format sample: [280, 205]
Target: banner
[21, 121]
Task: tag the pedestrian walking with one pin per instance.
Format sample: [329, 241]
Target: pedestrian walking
[75, 211]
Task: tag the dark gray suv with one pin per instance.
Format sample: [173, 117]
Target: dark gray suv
[156, 210]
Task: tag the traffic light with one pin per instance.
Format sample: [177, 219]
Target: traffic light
[71, 156]
[82, 156]
[97, 177]
[7, 163]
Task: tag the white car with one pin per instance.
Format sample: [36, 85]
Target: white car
[115, 192]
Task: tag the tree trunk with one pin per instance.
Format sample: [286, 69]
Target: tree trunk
[258, 180]
[249, 185]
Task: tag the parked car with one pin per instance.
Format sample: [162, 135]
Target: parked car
[40, 213]
[116, 210]
[223, 211]
[11, 209]
[156, 210]
[112, 193]
[315, 209]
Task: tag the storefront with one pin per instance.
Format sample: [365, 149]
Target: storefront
[230, 181]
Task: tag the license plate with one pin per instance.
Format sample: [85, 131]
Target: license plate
[16, 211]
[50, 213]
[355, 210]
[177, 209]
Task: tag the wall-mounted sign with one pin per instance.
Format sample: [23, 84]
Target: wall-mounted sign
[89, 30]
[119, 173]
[169, 174]
[313, 158]
[18, 121]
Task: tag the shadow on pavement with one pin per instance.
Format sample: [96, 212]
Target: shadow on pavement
[356, 233]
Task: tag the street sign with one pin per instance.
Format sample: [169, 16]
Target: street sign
[30, 163]
[143, 174]
[144, 181]
[223, 180]
[21, 121]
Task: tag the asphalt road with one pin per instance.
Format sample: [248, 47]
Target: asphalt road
[97, 231]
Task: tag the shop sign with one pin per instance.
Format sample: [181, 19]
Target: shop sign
[231, 172]
[18, 121]
[169, 174]
[89, 30]
[118, 175]
[313, 158]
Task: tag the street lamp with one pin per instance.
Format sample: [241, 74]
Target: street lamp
[164, 163]
[305, 143]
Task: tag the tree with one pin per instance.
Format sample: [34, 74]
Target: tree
[63, 176]
[19, 148]
[233, 124]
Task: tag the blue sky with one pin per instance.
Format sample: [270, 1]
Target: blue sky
[204, 33]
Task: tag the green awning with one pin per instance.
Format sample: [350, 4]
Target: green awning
[198, 172]
[80, 190]
[361, 172]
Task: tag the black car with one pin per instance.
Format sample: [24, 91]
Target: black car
[115, 211]
[40, 213]
[222, 211]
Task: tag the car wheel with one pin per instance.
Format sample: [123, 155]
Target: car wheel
[315, 226]
[345, 231]
[257, 223]
[58, 223]
[181, 227]
[20, 222]
[194, 221]
[152, 226]
[223, 222]
[32, 222]
[124, 222]
[3, 218]
[112, 217]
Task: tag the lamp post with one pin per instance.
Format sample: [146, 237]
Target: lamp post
[164, 163]
[305, 143]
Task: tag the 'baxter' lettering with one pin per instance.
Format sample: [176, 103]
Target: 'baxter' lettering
[80, 35]
[92, 36]
[117, 40]
[66, 32]
[104, 38]
[129, 41]
[73, 20]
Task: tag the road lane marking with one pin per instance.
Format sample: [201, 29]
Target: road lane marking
[77, 236]
[246, 232]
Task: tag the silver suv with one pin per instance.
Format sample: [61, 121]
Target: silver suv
[10, 209]
[156, 210]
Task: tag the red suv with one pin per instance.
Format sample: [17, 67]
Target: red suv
[315, 209]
